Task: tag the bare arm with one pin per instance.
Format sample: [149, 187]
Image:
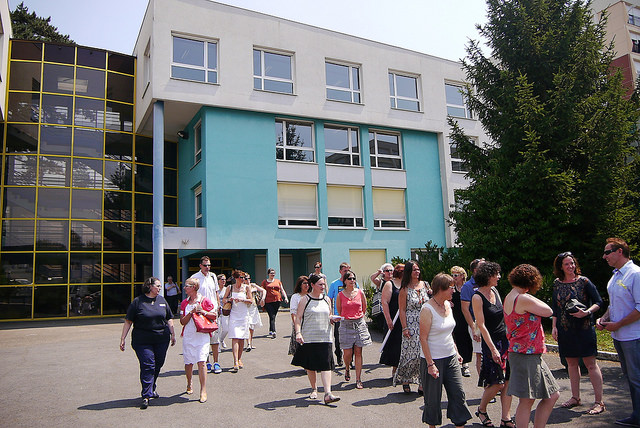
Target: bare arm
[339, 304]
[363, 299]
[633, 316]
[425, 327]
[387, 292]
[125, 330]
[284, 293]
[402, 308]
[375, 278]
[173, 333]
[531, 304]
[298, 319]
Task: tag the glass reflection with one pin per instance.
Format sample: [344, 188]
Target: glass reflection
[118, 146]
[57, 78]
[22, 138]
[20, 170]
[21, 49]
[84, 267]
[52, 235]
[23, 107]
[117, 206]
[336, 139]
[57, 109]
[277, 65]
[15, 302]
[170, 154]
[59, 53]
[143, 264]
[337, 75]
[49, 302]
[88, 142]
[55, 140]
[121, 63]
[143, 239]
[84, 300]
[19, 202]
[25, 76]
[117, 236]
[170, 182]
[17, 235]
[89, 112]
[16, 268]
[116, 267]
[186, 51]
[86, 204]
[117, 175]
[55, 171]
[116, 299]
[87, 173]
[170, 211]
[91, 57]
[144, 178]
[144, 150]
[53, 203]
[86, 235]
[144, 207]
[51, 268]
[120, 87]
[119, 116]
[90, 83]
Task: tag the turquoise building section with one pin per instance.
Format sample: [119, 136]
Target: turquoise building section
[238, 175]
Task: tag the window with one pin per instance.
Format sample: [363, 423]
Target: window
[634, 17]
[197, 193]
[456, 162]
[385, 150]
[195, 60]
[344, 205]
[343, 82]
[388, 208]
[294, 141]
[635, 45]
[341, 145]
[297, 205]
[456, 102]
[197, 142]
[404, 92]
[272, 72]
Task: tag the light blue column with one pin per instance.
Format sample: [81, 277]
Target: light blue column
[158, 191]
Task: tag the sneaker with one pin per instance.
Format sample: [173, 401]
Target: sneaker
[247, 349]
[466, 372]
[216, 368]
[145, 403]
[208, 367]
[155, 395]
[274, 335]
[628, 422]
[252, 346]
[223, 345]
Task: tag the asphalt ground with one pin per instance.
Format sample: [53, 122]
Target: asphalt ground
[71, 373]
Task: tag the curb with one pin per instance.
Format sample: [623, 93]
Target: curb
[601, 355]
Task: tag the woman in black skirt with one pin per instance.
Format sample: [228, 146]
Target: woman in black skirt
[460, 332]
[313, 327]
[391, 349]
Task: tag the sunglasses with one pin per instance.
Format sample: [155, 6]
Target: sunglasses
[317, 267]
[455, 275]
[350, 278]
[206, 265]
[607, 252]
[565, 254]
[388, 270]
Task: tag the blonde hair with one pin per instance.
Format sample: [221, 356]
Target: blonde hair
[194, 282]
[458, 269]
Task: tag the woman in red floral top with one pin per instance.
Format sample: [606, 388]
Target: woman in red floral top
[531, 379]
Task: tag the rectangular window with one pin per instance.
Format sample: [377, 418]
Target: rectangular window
[297, 205]
[195, 60]
[343, 82]
[456, 163]
[404, 92]
[385, 150]
[272, 72]
[197, 142]
[344, 206]
[294, 141]
[635, 45]
[456, 102]
[341, 145]
[197, 193]
[388, 209]
[634, 17]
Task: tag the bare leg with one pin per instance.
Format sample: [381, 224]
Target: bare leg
[523, 412]
[188, 371]
[250, 338]
[574, 376]
[240, 349]
[214, 351]
[595, 375]
[543, 411]
[505, 401]
[325, 376]
[202, 375]
[235, 344]
[478, 362]
[347, 355]
[311, 374]
[487, 395]
[357, 350]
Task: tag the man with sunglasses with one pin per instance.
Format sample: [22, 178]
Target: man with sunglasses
[208, 289]
[622, 319]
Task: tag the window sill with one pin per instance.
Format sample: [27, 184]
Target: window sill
[299, 227]
[194, 165]
[274, 92]
[296, 162]
[388, 169]
[406, 229]
[346, 228]
[461, 117]
[194, 81]
[404, 109]
[345, 102]
[460, 172]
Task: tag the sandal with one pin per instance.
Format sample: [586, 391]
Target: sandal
[330, 398]
[347, 374]
[486, 422]
[406, 388]
[597, 408]
[234, 369]
[189, 389]
[507, 423]
[359, 384]
[571, 403]
[314, 394]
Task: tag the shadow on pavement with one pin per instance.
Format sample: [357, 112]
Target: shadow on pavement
[135, 402]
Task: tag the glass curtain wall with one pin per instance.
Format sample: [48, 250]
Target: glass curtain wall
[76, 188]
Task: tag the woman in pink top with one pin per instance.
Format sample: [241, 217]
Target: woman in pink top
[354, 334]
[530, 376]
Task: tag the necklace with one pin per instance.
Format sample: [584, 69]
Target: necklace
[438, 303]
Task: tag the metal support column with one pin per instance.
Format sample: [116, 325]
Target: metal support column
[158, 191]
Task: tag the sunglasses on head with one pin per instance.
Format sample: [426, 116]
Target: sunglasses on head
[565, 254]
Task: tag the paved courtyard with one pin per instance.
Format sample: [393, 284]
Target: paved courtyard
[71, 373]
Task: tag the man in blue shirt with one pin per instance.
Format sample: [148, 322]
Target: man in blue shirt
[622, 319]
[336, 287]
[466, 293]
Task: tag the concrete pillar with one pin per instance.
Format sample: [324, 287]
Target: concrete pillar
[158, 191]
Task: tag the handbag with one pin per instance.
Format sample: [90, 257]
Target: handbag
[204, 324]
[376, 303]
[574, 305]
[226, 309]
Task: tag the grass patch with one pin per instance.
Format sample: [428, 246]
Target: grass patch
[605, 342]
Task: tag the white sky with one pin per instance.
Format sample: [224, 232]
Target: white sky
[436, 27]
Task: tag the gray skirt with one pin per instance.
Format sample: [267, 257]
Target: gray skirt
[354, 332]
[530, 377]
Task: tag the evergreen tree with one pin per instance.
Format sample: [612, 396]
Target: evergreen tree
[29, 26]
[561, 173]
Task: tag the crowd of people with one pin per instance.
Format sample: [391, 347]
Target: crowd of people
[431, 331]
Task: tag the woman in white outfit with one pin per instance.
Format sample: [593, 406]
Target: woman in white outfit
[257, 298]
[223, 320]
[299, 291]
[240, 294]
[195, 345]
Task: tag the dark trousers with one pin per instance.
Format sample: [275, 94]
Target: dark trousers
[336, 340]
[272, 310]
[151, 358]
[173, 303]
[451, 378]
